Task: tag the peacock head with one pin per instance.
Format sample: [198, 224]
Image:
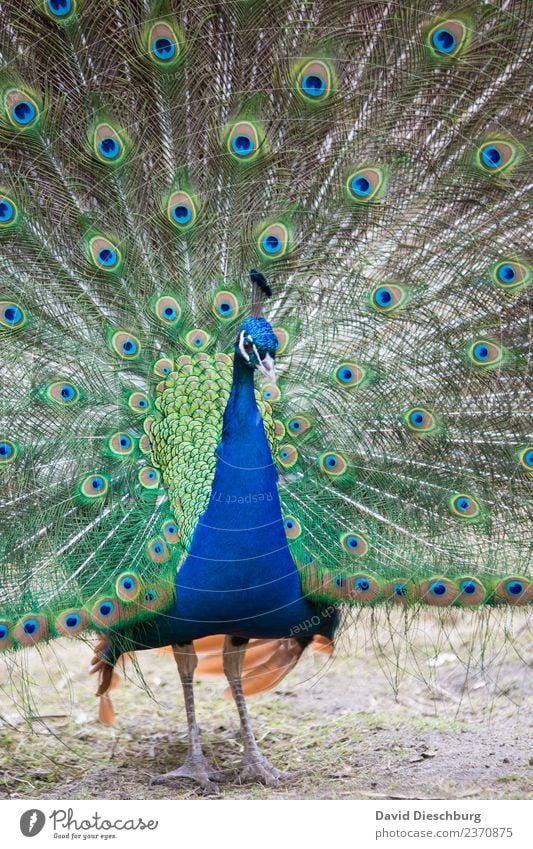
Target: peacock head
[257, 344]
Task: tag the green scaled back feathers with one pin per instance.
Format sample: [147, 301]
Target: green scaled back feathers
[371, 160]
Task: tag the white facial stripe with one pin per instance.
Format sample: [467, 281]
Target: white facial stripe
[241, 347]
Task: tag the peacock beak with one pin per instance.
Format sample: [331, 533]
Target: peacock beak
[267, 367]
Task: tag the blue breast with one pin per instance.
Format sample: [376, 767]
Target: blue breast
[239, 577]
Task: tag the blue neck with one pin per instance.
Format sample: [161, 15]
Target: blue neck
[244, 493]
[243, 434]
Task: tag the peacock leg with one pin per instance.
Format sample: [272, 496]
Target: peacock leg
[195, 766]
[254, 765]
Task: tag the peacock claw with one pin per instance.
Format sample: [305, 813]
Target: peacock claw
[194, 770]
[258, 769]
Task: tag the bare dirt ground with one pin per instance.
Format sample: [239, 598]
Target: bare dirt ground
[418, 712]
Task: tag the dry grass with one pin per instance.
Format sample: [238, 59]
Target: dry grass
[374, 722]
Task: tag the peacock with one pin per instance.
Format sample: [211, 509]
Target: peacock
[264, 309]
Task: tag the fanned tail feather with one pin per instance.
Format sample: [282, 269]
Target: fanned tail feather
[370, 159]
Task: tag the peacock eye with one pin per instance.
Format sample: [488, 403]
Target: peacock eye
[248, 345]
[60, 8]
[164, 42]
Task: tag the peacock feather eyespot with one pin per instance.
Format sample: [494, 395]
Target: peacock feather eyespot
[157, 550]
[170, 532]
[126, 345]
[181, 210]
[354, 543]
[127, 586]
[60, 10]
[314, 81]
[109, 147]
[23, 113]
[138, 402]
[149, 478]
[448, 39]
[71, 622]
[145, 444]
[163, 48]
[293, 529]
[298, 425]
[226, 306]
[64, 393]
[157, 598]
[167, 310]
[105, 255]
[438, 592]
[526, 458]
[333, 463]
[438, 588]
[497, 155]
[420, 420]
[273, 241]
[363, 588]
[366, 184]
[31, 629]
[514, 589]
[387, 298]
[279, 429]
[8, 451]
[283, 339]
[197, 339]
[511, 275]
[464, 506]
[244, 141]
[121, 444]
[94, 486]
[471, 591]
[484, 353]
[108, 144]
[8, 212]
[271, 393]
[165, 44]
[399, 590]
[287, 456]
[164, 367]
[12, 316]
[22, 109]
[349, 375]
[106, 612]
[6, 635]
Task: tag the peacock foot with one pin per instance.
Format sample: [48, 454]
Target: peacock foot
[255, 767]
[195, 769]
